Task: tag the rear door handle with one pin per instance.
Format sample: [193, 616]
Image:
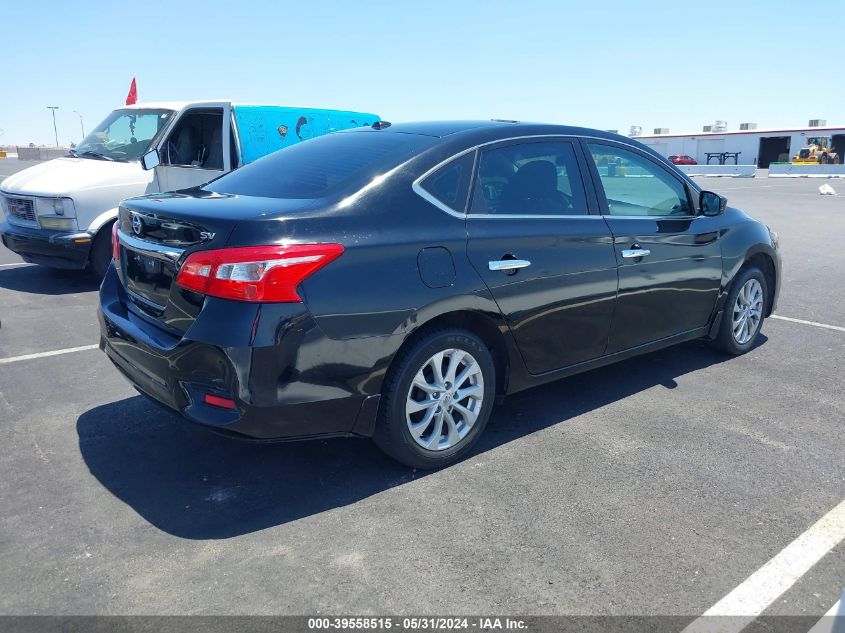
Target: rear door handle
[632, 253]
[509, 264]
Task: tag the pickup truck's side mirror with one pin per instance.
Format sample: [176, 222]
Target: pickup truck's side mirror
[150, 160]
[712, 204]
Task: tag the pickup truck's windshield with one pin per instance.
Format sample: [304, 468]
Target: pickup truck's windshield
[125, 135]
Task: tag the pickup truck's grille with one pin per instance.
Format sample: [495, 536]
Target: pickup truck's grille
[21, 209]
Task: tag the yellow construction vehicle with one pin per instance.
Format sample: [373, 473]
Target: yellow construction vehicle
[817, 151]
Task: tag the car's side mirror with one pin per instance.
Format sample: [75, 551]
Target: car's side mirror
[150, 160]
[712, 204]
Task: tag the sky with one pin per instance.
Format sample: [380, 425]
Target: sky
[605, 64]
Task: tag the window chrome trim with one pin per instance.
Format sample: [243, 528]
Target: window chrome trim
[421, 192]
[425, 195]
[520, 216]
[650, 217]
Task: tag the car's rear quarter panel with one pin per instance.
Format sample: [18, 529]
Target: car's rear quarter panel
[374, 296]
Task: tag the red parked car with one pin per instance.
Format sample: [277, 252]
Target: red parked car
[683, 159]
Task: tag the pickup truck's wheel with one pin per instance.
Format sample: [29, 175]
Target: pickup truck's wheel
[101, 251]
[436, 400]
[744, 312]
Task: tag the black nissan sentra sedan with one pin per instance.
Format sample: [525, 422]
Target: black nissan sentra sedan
[393, 282]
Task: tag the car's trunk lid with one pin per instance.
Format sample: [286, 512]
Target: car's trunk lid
[158, 232]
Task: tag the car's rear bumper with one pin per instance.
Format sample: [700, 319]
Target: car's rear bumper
[57, 249]
[289, 389]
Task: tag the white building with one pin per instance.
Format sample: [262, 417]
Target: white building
[756, 147]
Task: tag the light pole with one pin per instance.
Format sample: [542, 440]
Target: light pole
[80, 123]
[55, 130]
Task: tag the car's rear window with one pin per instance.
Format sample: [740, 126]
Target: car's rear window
[324, 166]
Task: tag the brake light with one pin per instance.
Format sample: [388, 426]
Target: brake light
[268, 274]
[115, 242]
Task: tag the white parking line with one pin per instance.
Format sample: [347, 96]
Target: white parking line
[765, 585]
[57, 352]
[838, 328]
[834, 620]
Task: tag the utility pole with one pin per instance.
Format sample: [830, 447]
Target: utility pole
[55, 130]
[80, 123]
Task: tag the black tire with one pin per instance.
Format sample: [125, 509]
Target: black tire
[101, 252]
[392, 433]
[726, 341]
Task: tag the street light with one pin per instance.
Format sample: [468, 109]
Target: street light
[55, 130]
[80, 123]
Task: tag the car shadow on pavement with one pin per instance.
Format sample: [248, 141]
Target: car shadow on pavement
[47, 281]
[197, 485]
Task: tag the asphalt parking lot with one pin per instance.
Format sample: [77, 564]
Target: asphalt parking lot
[655, 486]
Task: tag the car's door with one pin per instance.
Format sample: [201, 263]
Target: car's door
[670, 260]
[196, 149]
[547, 260]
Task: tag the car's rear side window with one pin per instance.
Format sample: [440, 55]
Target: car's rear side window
[323, 166]
[450, 183]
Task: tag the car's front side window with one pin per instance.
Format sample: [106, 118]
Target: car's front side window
[538, 178]
[635, 186]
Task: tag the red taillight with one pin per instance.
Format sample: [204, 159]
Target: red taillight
[219, 401]
[255, 273]
[115, 242]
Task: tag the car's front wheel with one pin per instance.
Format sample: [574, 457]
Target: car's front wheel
[437, 399]
[101, 251]
[744, 312]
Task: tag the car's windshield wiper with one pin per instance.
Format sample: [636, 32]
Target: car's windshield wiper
[88, 152]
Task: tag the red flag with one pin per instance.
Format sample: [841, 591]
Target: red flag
[132, 97]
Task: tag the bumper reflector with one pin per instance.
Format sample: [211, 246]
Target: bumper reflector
[219, 401]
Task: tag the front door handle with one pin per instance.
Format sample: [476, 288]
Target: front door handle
[633, 253]
[509, 264]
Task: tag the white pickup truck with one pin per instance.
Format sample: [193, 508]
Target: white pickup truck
[59, 213]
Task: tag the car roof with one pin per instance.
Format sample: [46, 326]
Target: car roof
[155, 105]
[457, 134]
[442, 129]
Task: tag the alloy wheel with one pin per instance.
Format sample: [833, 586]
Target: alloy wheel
[747, 311]
[444, 399]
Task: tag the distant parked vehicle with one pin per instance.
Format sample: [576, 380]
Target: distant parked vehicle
[682, 159]
[60, 213]
[392, 282]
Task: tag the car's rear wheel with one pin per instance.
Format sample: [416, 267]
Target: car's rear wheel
[744, 312]
[101, 251]
[436, 400]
